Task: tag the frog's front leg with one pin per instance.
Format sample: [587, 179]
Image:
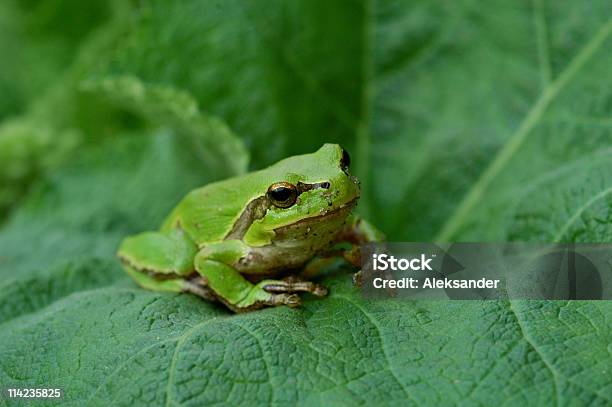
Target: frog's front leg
[215, 264]
[358, 231]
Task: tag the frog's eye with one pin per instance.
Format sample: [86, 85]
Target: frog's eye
[282, 194]
[345, 161]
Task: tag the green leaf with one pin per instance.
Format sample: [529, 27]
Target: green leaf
[27, 149]
[37, 44]
[497, 96]
[283, 76]
[468, 121]
[166, 106]
[72, 319]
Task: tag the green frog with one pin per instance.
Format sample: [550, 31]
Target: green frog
[235, 241]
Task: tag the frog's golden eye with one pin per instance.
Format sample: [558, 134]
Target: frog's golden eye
[282, 194]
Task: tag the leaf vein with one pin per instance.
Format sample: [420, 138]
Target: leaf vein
[515, 141]
[382, 341]
[563, 231]
[179, 343]
[124, 364]
[263, 356]
[542, 40]
[555, 373]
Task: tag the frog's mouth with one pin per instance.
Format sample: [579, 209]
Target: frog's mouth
[327, 195]
[345, 206]
[337, 212]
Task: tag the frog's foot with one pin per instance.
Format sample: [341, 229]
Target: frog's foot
[293, 284]
[274, 293]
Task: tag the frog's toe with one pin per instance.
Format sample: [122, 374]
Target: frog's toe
[290, 300]
[291, 287]
[320, 290]
[293, 300]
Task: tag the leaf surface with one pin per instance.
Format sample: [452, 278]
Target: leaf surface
[468, 121]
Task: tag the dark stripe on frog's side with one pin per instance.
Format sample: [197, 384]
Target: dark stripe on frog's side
[257, 208]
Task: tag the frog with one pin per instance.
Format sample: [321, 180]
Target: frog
[259, 239]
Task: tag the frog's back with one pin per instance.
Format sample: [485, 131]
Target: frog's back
[208, 214]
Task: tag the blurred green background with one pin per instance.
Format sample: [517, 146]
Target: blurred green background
[466, 120]
[439, 103]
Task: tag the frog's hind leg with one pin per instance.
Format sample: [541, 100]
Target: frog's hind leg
[166, 254]
[194, 286]
[150, 283]
[163, 261]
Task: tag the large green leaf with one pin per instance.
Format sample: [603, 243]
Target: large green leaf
[37, 43]
[470, 120]
[498, 95]
[72, 319]
[283, 75]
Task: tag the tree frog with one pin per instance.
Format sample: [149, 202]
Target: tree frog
[240, 241]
